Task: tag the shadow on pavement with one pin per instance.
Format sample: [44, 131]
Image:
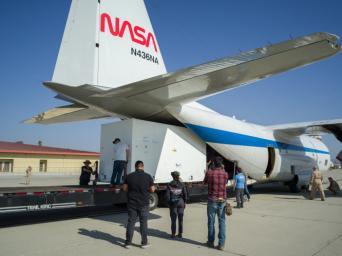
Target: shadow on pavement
[102, 236]
[164, 235]
[122, 218]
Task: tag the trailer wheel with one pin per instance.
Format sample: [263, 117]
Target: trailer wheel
[153, 201]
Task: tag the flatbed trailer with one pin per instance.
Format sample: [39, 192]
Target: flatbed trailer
[163, 148]
[26, 199]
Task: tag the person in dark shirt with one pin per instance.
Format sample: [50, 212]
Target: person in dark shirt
[138, 186]
[86, 172]
[216, 178]
[176, 197]
[333, 186]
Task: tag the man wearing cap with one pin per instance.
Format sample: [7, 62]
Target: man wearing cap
[86, 172]
[121, 151]
[316, 182]
[176, 196]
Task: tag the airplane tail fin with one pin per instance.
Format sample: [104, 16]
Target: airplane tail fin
[108, 44]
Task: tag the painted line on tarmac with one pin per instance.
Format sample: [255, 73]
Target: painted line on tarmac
[327, 244]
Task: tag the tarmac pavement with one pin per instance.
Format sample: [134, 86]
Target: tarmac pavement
[274, 222]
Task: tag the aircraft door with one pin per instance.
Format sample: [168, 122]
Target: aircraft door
[271, 161]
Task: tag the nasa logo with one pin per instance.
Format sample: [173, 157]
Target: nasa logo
[137, 34]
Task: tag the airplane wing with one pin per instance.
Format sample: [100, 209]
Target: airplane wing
[313, 128]
[66, 114]
[148, 98]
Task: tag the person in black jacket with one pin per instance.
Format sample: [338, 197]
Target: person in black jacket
[176, 195]
[138, 185]
[86, 172]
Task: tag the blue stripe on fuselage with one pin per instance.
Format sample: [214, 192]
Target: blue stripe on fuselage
[232, 138]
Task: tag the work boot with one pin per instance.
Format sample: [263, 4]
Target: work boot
[180, 235]
[173, 236]
[145, 246]
[210, 244]
[220, 247]
[127, 245]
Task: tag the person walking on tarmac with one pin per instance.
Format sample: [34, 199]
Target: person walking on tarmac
[239, 187]
[217, 179]
[28, 175]
[246, 191]
[138, 185]
[316, 182]
[86, 172]
[176, 196]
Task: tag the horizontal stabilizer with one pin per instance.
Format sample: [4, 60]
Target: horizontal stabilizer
[312, 128]
[66, 114]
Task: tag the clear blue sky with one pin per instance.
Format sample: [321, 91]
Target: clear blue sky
[189, 33]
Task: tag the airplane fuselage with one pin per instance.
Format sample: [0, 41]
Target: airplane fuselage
[264, 154]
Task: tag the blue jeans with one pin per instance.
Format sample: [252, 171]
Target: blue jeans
[247, 192]
[118, 168]
[213, 209]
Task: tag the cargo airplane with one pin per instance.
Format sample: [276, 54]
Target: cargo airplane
[110, 65]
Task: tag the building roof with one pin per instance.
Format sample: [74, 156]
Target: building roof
[20, 148]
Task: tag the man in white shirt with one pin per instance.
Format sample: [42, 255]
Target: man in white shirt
[121, 151]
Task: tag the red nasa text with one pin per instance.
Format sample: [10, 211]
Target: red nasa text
[137, 34]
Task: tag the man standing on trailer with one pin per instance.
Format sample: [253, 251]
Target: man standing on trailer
[138, 185]
[217, 179]
[86, 172]
[121, 151]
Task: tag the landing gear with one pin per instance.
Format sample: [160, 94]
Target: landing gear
[293, 185]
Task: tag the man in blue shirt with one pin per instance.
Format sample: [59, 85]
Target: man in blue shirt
[239, 186]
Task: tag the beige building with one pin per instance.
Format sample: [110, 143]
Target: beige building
[16, 157]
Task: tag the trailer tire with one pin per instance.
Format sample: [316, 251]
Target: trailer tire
[153, 201]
